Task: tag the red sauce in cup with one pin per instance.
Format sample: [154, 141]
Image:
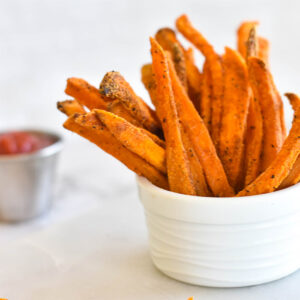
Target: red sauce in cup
[18, 142]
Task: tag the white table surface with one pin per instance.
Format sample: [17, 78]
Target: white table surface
[93, 242]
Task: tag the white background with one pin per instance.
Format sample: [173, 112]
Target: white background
[93, 244]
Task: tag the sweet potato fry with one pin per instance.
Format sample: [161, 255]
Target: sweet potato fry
[194, 78]
[263, 45]
[243, 33]
[116, 107]
[293, 177]
[200, 139]
[70, 107]
[235, 109]
[197, 172]
[280, 167]
[89, 127]
[149, 81]
[263, 91]
[214, 64]
[206, 97]
[253, 141]
[179, 173]
[166, 37]
[86, 94]
[258, 47]
[134, 139]
[254, 133]
[263, 49]
[115, 86]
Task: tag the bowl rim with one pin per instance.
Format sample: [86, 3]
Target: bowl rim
[256, 209]
[47, 151]
[145, 183]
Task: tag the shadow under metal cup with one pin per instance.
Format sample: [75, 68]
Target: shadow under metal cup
[26, 181]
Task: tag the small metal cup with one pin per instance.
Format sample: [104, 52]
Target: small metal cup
[26, 181]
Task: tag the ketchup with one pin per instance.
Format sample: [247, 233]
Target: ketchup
[19, 142]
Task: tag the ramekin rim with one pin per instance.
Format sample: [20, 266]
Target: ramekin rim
[41, 153]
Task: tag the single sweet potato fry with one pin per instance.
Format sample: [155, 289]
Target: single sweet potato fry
[115, 86]
[235, 109]
[89, 127]
[206, 97]
[149, 81]
[166, 37]
[86, 94]
[254, 133]
[263, 49]
[197, 172]
[216, 70]
[243, 33]
[179, 173]
[70, 107]
[263, 91]
[253, 49]
[200, 139]
[134, 139]
[280, 167]
[293, 177]
[116, 107]
[194, 78]
[263, 45]
[253, 141]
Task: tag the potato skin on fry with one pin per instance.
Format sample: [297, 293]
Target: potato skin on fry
[86, 94]
[200, 139]
[134, 139]
[179, 173]
[235, 109]
[89, 127]
[115, 86]
[70, 107]
[280, 167]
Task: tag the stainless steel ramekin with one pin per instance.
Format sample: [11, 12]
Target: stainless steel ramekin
[26, 181]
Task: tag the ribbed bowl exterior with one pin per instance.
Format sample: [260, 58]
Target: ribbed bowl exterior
[223, 242]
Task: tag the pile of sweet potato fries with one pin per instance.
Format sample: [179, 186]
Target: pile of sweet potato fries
[219, 131]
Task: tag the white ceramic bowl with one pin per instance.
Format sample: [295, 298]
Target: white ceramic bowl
[223, 242]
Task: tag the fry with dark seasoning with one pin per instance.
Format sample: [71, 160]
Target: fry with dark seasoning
[134, 139]
[216, 70]
[89, 127]
[263, 91]
[114, 86]
[86, 94]
[253, 141]
[200, 139]
[179, 172]
[235, 109]
[116, 107]
[70, 107]
[280, 167]
[166, 37]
